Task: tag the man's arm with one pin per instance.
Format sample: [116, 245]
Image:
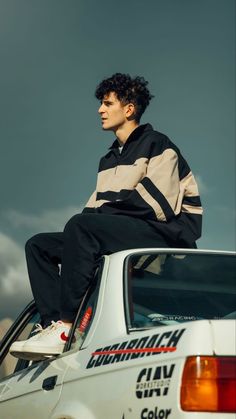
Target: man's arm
[158, 196]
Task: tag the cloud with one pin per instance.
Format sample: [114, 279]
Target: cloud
[15, 291]
[219, 228]
[50, 220]
[13, 273]
[202, 186]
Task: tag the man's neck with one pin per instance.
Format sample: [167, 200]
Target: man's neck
[123, 133]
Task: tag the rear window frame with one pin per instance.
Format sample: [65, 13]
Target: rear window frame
[171, 251]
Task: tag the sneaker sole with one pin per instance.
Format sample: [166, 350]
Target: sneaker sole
[42, 350]
[36, 354]
[29, 356]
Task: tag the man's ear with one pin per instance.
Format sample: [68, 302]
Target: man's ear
[130, 111]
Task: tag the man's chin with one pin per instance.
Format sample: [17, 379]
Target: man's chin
[106, 128]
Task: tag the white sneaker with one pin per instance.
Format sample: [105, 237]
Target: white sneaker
[16, 348]
[45, 343]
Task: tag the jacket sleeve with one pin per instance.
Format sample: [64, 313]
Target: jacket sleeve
[157, 196]
[90, 205]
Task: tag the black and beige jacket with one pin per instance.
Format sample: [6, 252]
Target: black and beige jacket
[151, 180]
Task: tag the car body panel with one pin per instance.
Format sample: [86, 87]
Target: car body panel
[224, 336]
[23, 393]
[141, 379]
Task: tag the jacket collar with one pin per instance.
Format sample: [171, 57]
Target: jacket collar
[135, 134]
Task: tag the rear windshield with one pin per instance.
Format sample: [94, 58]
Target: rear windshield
[174, 288]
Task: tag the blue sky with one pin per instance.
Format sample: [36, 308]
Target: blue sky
[53, 54]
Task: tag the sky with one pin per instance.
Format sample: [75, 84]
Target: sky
[53, 54]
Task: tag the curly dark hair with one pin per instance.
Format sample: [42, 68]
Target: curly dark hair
[128, 90]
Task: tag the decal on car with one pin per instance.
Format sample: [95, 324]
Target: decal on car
[136, 348]
[85, 320]
[154, 381]
[4, 388]
[155, 414]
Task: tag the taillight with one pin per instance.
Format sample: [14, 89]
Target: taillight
[209, 384]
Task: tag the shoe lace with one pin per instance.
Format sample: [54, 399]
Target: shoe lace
[37, 329]
[53, 326]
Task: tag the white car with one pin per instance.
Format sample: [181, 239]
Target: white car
[157, 342]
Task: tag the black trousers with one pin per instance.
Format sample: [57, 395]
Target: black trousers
[85, 238]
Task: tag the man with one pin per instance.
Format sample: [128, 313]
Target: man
[146, 196]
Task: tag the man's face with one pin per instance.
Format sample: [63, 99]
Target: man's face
[113, 113]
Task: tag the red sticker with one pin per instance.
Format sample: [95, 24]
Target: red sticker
[85, 320]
